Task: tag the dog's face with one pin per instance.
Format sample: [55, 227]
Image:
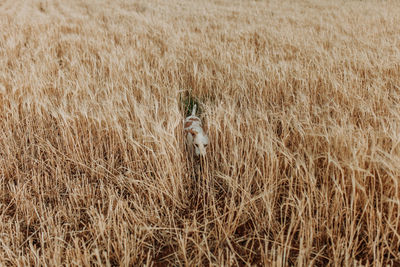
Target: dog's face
[200, 142]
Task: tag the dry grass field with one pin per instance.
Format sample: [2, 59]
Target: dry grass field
[300, 100]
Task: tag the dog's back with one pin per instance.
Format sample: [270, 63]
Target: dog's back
[192, 120]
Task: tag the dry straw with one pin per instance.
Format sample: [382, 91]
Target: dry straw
[300, 100]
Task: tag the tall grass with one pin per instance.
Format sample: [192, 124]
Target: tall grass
[300, 100]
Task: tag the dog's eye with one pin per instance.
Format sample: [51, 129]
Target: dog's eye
[196, 145]
[205, 145]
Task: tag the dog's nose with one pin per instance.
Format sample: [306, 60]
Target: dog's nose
[202, 152]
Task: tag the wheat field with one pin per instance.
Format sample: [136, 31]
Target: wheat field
[300, 100]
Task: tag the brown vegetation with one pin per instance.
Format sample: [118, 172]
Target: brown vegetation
[300, 100]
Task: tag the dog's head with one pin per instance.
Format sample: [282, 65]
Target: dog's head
[200, 142]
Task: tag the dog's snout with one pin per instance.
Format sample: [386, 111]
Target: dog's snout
[202, 151]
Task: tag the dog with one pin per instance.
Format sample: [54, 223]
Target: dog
[195, 134]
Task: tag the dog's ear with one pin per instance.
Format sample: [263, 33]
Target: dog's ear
[192, 132]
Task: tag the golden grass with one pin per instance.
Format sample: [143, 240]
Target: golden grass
[300, 100]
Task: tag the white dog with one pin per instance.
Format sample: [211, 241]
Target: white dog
[195, 134]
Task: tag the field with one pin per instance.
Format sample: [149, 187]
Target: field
[300, 100]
